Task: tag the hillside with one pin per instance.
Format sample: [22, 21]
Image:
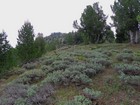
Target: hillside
[57, 36]
[102, 74]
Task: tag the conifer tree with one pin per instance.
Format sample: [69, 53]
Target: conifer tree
[4, 48]
[25, 42]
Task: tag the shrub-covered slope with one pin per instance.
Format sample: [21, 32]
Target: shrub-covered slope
[77, 75]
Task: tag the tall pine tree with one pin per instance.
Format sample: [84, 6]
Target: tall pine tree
[25, 41]
[4, 48]
[40, 45]
[92, 23]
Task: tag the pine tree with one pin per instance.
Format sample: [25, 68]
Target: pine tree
[92, 23]
[40, 45]
[4, 48]
[125, 18]
[25, 41]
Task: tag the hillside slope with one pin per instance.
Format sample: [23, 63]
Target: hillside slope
[77, 75]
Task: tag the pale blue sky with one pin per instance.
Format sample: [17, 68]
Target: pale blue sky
[46, 16]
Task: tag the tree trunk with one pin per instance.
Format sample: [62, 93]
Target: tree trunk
[132, 37]
[137, 37]
[98, 38]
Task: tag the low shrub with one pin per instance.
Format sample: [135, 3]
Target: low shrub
[91, 94]
[30, 77]
[40, 95]
[19, 71]
[126, 57]
[127, 51]
[13, 92]
[60, 65]
[132, 80]
[67, 77]
[108, 53]
[20, 101]
[31, 65]
[103, 61]
[55, 78]
[77, 67]
[136, 63]
[48, 61]
[128, 69]
[79, 100]
[47, 69]
[93, 68]
[19, 94]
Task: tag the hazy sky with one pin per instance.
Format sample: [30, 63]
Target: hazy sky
[46, 16]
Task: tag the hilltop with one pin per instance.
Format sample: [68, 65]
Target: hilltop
[96, 74]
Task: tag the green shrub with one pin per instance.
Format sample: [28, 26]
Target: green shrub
[20, 101]
[93, 68]
[79, 100]
[55, 78]
[103, 61]
[31, 65]
[127, 51]
[19, 71]
[47, 69]
[128, 69]
[132, 80]
[91, 94]
[48, 61]
[77, 67]
[13, 92]
[108, 53]
[32, 90]
[42, 95]
[136, 63]
[19, 94]
[125, 57]
[81, 79]
[83, 100]
[60, 65]
[30, 77]
[67, 77]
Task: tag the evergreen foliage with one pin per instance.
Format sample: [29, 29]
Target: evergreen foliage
[125, 19]
[26, 48]
[40, 45]
[4, 50]
[93, 23]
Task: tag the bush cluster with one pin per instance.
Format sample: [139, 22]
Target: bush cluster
[67, 77]
[75, 67]
[128, 69]
[88, 97]
[126, 56]
[31, 65]
[79, 100]
[103, 61]
[129, 73]
[19, 94]
[91, 94]
[130, 79]
[66, 72]
[30, 77]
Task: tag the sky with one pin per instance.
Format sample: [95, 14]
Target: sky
[46, 16]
